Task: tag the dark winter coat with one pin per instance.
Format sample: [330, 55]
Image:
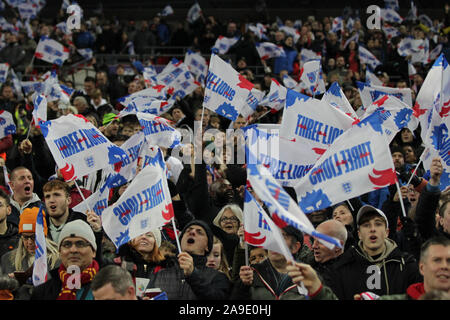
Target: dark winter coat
[352, 273]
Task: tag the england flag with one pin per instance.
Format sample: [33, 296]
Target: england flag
[51, 51]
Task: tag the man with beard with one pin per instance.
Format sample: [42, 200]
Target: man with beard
[57, 201]
[22, 186]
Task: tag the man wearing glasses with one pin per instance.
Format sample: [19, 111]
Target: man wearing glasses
[72, 280]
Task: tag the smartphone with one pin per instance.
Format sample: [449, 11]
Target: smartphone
[152, 292]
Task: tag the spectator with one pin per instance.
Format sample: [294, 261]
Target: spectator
[144, 39]
[13, 53]
[113, 283]
[433, 266]
[77, 249]
[376, 264]
[217, 258]
[9, 233]
[22, 185]
[21, 259]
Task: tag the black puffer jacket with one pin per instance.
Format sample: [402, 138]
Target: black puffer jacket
[355, 273]
[203, 284]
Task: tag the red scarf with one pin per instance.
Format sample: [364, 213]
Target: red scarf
[415, 290]
[87, 275]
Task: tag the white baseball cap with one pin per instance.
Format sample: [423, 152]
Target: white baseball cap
[368, 208]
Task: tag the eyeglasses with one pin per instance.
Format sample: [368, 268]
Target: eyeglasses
[79, 244]
[231, 219]
[32, 237]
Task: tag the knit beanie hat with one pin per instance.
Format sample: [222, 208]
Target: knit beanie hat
[208, 231]
[77, 228]
[27, 222]
[157, 236]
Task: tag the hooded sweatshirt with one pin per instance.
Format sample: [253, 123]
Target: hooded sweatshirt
[392, 272]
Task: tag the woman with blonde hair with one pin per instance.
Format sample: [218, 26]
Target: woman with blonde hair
[18, 263]
[217, 258]
[226, 225]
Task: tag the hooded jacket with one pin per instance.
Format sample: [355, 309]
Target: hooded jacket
[390, 273]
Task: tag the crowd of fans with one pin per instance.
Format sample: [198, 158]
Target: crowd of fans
[208, 199]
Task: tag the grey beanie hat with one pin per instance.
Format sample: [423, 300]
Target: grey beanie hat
[78, 228]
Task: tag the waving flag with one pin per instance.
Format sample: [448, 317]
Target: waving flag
[157, 92]
[158, 131]
[368, 58]
[355, 38]
[396, 115]
[223, 44]
[434, 54]
[149, 73]
[359, 161]
[86, 53]
[308, 55]
[290, 31]
[285, 161]
[51, 51]
[284, 211]
[125, 170]
[290, 83]
[390, 32]
[178, 78]
[418, 49]
[40, 253]
[4, 67]
[194, 13]
[78, 147]
[197, 65]
[336, 97]
[226, 89]
[430, 94]
[145, 205]
[391, 4]
[252, 102]
[372, 79]
[260, 230]
[311, 79]
[276, 98]
[389, 15]
[167, 11]
[369, 94]
[16, 84]
[267, 50]
[97, 201]
[147, 105]
[437, 142]
[31, 86]
[60, 92]
[312, 124]
[338, 25]
[259, 30]
[7, 125]
[40, 110]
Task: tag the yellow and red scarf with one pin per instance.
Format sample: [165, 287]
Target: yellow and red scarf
[87, 275]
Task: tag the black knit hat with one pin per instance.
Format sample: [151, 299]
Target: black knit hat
[208, 231]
